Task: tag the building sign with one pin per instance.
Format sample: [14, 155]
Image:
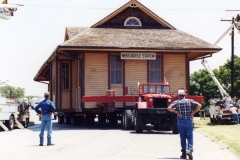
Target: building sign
[138, 56]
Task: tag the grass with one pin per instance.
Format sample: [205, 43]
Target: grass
[228, 134]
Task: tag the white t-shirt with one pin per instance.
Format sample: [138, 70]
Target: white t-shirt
[227, 102]
[233, 110]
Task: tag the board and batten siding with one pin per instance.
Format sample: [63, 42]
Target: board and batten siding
[96, 75]
[175, 70]
[135, 71]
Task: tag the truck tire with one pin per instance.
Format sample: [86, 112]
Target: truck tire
[139, 122]
[174, 125]
[128, 119]
[10, 123]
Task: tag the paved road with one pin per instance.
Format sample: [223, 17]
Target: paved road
[103, 143]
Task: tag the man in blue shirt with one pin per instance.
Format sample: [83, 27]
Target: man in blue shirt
[183, 109]
[47, 108]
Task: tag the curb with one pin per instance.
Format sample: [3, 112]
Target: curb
[222, 144]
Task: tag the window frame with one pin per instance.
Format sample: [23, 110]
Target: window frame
[135, 18]
[116, 69]
[65, 79]
[158, 68]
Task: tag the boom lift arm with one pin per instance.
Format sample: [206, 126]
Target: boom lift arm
[222, 91]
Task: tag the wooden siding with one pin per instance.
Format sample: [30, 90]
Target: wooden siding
[135, 71]
[175, 70]
[65, 99]
[96, 75]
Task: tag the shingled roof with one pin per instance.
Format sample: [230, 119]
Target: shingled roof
[160, 39]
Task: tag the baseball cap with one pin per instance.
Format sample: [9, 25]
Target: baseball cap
[46, 93]
[181, 92]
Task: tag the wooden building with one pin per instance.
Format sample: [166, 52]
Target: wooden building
[130, 45]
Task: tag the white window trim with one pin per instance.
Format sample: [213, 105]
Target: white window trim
[125, 23]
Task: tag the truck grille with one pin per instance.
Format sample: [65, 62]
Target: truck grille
[160, 102]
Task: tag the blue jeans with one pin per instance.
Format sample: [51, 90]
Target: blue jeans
[185, 128]
[235, 118]
[46, 122]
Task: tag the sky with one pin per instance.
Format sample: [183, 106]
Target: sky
[38, 27]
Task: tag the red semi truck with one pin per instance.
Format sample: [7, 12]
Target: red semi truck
[150, 107]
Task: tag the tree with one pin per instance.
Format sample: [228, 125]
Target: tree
[225, 73]
[201, 82]
[16, 92]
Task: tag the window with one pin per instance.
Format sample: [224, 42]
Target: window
[155, 70]
[65, 75]
[132, 21]
[116, 69]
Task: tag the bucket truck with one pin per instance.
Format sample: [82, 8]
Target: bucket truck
[219, 112]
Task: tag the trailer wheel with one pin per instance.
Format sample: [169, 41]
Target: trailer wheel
[156, 126]
[102, 118]
[123, 120]
[60, 119]
[10, 123]
[174, 125]
[113, 120]
[128, 119]
[139, 122]
[90, 120]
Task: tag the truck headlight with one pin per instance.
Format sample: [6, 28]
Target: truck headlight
[169, 100]
[150, 99]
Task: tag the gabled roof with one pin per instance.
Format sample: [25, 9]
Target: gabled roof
[159, 39]
[134, 3]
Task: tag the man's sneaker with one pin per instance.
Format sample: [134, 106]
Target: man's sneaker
[50, 144]
[40, 144]
[183, 156]
[190, 156]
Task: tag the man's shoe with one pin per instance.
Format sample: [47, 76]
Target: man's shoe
[183, 156]
[50, 144]
[190, 156]
[40, 144]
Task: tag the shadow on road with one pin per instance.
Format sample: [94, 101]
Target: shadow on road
[97, 126]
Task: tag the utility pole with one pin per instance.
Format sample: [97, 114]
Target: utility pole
[232, 62]
[236, 22]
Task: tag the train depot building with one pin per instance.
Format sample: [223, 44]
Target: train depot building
[130, 45]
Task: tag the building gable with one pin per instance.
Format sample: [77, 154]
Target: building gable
[133, 9]
[118, 21]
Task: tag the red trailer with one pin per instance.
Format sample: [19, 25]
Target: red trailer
[150, 107]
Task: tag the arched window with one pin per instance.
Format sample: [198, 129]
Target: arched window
[132, 21]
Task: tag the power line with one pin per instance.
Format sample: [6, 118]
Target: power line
[174, 9]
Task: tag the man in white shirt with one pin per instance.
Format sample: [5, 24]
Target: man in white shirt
[234, 114]
[227, 101]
